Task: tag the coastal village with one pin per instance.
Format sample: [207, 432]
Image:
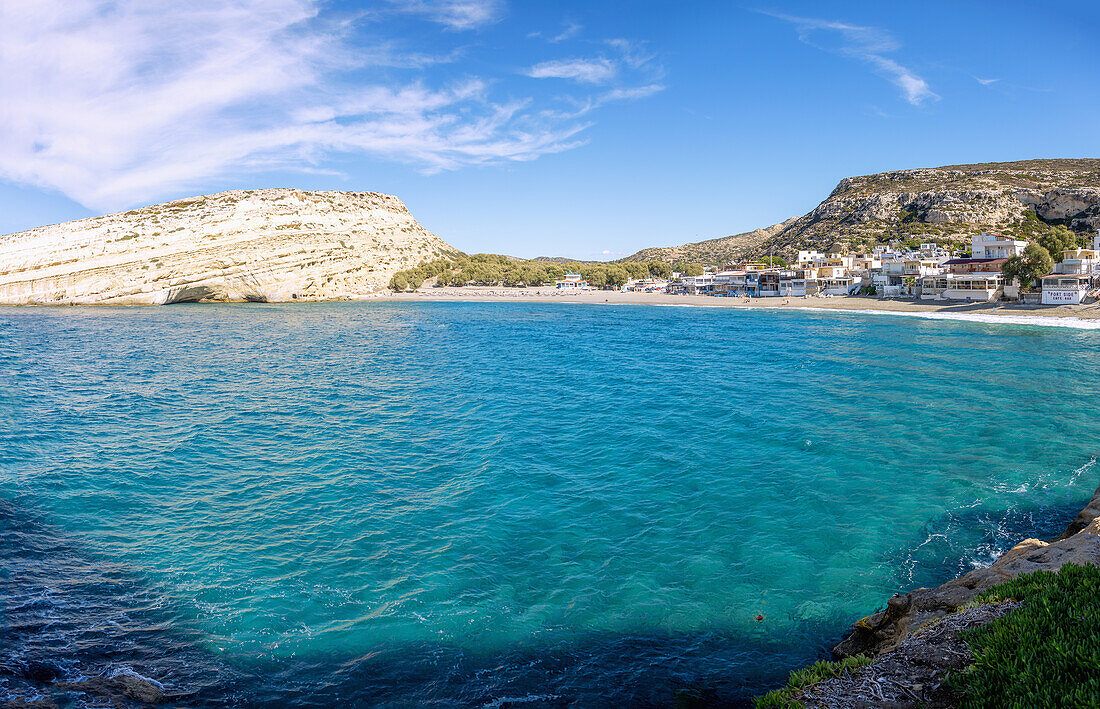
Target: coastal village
[930, 273]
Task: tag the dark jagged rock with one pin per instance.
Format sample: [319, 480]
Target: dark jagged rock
[127, 687]
[22, 703]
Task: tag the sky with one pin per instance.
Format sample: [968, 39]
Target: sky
[569, 128]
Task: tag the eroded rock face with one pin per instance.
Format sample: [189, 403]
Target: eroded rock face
[1079, 544]
[256, 245]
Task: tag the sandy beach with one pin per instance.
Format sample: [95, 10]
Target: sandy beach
[930, 309]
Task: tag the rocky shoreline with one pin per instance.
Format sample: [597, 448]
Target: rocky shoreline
[914, 641]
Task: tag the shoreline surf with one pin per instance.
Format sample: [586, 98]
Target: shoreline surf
[1078, 317]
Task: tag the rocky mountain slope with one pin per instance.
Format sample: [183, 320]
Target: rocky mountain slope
[715, 251]
[253, 245]
[949, 203]
[945, 204]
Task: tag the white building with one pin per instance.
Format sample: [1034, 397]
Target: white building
[1078, 261]
[571, 281]
[645, 285]
[1065, 289]
[974, 287]
[995, 246]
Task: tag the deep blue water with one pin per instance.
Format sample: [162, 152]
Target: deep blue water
[505, 504]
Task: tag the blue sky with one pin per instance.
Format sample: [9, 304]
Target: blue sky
[583, 129]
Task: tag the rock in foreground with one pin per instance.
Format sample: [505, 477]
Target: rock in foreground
[256, 245]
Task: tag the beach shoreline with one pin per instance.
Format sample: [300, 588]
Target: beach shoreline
[1066, 315]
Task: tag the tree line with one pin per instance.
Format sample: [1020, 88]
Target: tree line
[497, 270]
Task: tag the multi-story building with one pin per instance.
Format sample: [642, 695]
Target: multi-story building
[995, 246]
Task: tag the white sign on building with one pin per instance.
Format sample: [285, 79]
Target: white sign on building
[1062, 297]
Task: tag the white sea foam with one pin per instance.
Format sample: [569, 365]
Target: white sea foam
[1082, 470]
[126, 670]
[527, 699]
[1041, 320]
[987, 318]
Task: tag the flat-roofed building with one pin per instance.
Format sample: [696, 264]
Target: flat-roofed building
[974, 287]
[995, 246]
[1065, 288]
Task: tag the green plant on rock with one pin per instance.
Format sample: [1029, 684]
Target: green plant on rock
[806, 677]
[1046, 653]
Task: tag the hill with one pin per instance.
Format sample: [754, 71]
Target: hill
[254, 245]
[944, 204]
[713, 251]
[949, 203]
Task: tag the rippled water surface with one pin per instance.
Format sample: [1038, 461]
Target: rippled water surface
[505, 504]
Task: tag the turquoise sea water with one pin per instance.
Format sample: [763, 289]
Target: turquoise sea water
[506, 504]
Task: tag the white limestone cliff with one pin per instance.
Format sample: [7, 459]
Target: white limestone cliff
[253, 245]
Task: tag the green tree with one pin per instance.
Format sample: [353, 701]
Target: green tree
[1035, 263]
[660, 269]
[596, 277]
[773, 261]
[617, 275]
[1057, 240]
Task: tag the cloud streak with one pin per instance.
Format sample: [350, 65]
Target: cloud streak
[456, 15]
[869, 45]
[119, 102]
[627, 73]
[586, 71]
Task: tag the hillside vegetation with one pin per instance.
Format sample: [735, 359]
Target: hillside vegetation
[713, 251]
[497, 270]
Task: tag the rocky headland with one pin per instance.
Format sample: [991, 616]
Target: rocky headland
[244, 245]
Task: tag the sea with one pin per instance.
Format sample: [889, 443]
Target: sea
[466, 504]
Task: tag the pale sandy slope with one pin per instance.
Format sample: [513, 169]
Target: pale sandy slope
[260, 245]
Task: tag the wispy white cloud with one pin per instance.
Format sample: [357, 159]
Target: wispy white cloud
[867, 44]
[633, 93]
[985, 82]
[572, 29]
[633, 54]
[626, 73]
[117, 102]
[455, 14]
[588, 71]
